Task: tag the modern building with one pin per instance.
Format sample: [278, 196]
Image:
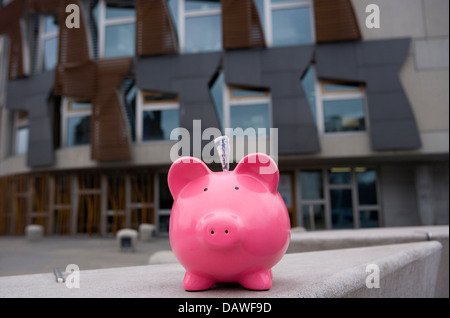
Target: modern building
[92, 90]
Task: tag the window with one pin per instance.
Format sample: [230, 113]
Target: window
[76, 122]
[343, 107]
[116, 23]
[339, 198]
[21, 132]
[158, 115]
[48, 43]
[337, 106]
[199, 25]
[368, 208]
[241, 107]
[286, 22]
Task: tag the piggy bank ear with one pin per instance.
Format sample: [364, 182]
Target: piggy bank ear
[183, 171]
[260, 166]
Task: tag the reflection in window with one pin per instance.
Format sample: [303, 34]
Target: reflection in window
[51, 54]
[368, 218]
[311, 184]
[159, 124]
[78, 131]
[367, 191]
[120, 40]
[21, 146]
[164, 221]
[21, 132]
[343, 107]
[201, 5]
[76, 119]
[159, 113]
[286, 22]
[48, 43]
[344, 194]
[291, 27]
[117, 9]
[250, 116]
[313, 216]
[203, 34]
[116, 28]
[241, 107]
[198, 24]
[339, 175]
[344, 115]
[341, 208]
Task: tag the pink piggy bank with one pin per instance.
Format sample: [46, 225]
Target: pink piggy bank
[230, 226]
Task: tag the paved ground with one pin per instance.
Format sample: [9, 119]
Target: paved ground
[19, 256]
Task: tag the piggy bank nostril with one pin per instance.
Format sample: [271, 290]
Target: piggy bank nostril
[226, 231]
[212, 232]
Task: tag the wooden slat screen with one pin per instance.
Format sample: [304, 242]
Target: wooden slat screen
[154, 28]
[241, 25]
[110, 136]
[10, 24]
[45, 5]
[74, 71]
[78, 75]
[335, 21]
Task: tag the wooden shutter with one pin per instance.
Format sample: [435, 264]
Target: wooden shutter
[109, 130]
[241, 26]
[154, 29]
[10, 24]
[335, 21]
[45, 5]
[74, 72]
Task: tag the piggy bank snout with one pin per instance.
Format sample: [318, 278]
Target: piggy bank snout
[221, 230]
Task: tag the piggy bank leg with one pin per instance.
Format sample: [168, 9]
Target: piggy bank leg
[194, 282]
[260, 280]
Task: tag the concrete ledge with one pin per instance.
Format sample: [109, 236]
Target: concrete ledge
[338, 239]
[406, 270]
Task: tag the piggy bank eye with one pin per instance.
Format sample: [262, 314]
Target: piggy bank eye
[236, 188]
[205, 189]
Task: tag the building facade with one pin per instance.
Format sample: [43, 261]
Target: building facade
[350, 97]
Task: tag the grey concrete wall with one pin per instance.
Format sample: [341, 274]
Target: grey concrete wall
[405, 270]
[414, 194]
[398, 195]
[425, 75]
[338, 239]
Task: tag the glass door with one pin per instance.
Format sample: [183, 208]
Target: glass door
[341, 198]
